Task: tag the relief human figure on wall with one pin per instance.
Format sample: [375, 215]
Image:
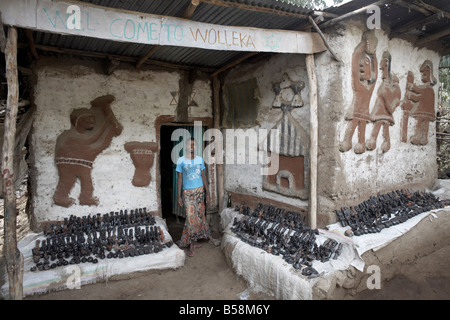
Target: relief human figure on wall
[424, 98]
[364, 77]
[407, 106]
[91, 132]
[388, 98]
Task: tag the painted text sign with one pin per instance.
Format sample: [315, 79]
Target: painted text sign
[76, 18]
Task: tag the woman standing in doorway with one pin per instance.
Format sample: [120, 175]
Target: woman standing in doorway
[192, 191]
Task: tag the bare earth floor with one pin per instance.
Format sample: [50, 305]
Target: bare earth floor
[207, 276]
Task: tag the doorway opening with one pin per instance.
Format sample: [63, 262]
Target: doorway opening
[170, 210]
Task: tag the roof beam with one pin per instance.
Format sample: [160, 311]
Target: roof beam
[234, 63]
[109, 57]
[417, 24]
[434, 36]
[412, 6]
[187, 14]
[352, 13]
[431, 8]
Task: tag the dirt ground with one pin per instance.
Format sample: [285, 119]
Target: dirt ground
[207, 276]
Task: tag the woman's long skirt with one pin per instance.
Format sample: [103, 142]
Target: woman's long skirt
[196, 227]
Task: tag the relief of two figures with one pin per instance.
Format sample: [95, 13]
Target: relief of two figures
[418, 100]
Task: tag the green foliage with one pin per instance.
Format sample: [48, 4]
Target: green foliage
[312, 4]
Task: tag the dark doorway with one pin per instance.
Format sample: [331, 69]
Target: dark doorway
[170, 209]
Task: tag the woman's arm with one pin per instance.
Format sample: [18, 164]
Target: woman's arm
[179, 185]
[205, 185]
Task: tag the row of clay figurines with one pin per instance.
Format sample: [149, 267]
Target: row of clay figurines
[418, 100]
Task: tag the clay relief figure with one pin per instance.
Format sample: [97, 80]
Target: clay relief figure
[423, 99]
[290, 146]
[364, 77]
[388, 98]
[91, 132]
[142, 154]
[287, 93]
[407, 106]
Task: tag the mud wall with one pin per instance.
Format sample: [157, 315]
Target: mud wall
[246, 179]
[143, 101]
[346, 177]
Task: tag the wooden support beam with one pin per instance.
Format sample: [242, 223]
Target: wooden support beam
[314, 138]
[111, 65]
[415, 24]
[351, 14]
[30, 39]
[431, 8]
[218, 153]
[432, 37]
[187, 14]
[234, 63]
[2, 36]
[107, 56]
[411, 6]
[13, 256]
[147, 56]
[311, 20]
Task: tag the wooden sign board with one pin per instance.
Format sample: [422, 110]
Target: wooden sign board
[79, 18]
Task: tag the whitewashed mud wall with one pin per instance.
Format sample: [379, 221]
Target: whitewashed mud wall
[347, 178]
[141, 96]
[247, 178]
[344, 178]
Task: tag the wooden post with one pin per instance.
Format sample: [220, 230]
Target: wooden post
[14, 258]
[314, 139]
[219, 166]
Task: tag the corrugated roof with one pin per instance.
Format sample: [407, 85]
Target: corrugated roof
[224, 12]
[413, 20]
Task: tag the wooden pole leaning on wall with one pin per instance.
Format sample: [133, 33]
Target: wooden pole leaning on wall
[13, 256]
[314, 137]
[218, 153]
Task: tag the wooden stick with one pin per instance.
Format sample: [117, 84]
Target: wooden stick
[2, 35]
[31, 44]
[115, 57]
[14, 258]
[218, 153]
[350, 14]
[324, 39]
[433, 37]
[314, 139]
[234, 63]
[147, 56]
[187, 14]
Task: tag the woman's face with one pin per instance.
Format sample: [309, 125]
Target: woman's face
[426, 73]
[190, 146]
